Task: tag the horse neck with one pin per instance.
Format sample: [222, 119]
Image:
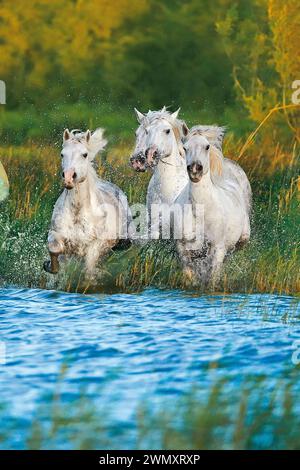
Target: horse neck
[81, 195]
[171, 174]
[202, 192]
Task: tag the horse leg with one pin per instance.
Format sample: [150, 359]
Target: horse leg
[217, 254]
[189, 271]
[245, 237]
[95, 251]
[56, 248]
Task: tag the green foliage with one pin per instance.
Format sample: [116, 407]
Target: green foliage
[148, 52]
[197, 54]
[172, 55]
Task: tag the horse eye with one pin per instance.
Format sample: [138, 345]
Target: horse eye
[184, 148]
[84, 155]
[207, 147]
[168, 131]
[62, 155]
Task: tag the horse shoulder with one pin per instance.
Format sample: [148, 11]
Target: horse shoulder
[60, 211]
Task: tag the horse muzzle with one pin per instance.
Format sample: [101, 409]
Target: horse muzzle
[195, 172]
[139, 162]
[69, 177]
[152, 156]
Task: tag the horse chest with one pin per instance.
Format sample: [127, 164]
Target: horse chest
[166, 187]
[80, 227]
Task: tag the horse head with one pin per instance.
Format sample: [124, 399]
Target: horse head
[203, 149]
[78, 151]
[158, 134]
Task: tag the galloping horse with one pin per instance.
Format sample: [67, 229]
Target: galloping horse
[91, 215]
[222, 190]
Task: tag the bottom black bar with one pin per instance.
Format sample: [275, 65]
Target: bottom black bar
[137, 459]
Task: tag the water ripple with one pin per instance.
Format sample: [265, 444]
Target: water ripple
[154, 345]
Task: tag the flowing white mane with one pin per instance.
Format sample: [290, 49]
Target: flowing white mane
[214, 134]
[95, 144]
[179, 126]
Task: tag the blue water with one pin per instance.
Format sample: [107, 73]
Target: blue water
[125, 350]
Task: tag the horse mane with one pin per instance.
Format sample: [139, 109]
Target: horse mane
[214, 134]
[96, 143]
[216, 161]
[179, 127]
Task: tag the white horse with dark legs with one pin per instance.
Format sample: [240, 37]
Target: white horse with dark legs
[91, 215]
[221, 189]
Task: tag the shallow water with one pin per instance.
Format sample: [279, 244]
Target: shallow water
[123, 350]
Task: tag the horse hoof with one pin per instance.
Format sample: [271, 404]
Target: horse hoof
[47, 268]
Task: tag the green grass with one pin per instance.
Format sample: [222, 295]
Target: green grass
[46, 125]
[270, 263]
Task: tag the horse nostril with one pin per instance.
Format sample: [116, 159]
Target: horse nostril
[199, 167]
[75, 176]
[189, 168]
[155, 154]
[63, 174]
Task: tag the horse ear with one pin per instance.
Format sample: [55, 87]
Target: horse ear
[66, 135]
[185, 129]
[88, 135]
[175, 115]
[140, 116]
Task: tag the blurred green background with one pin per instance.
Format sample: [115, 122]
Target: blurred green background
[83, 62]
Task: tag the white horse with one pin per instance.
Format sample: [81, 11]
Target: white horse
[159, 140]
[91, 215]
[159, 146]
[220, 188]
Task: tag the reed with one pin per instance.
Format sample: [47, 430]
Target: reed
[251, 416]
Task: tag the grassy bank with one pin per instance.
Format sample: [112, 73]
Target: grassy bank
[270, 263]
